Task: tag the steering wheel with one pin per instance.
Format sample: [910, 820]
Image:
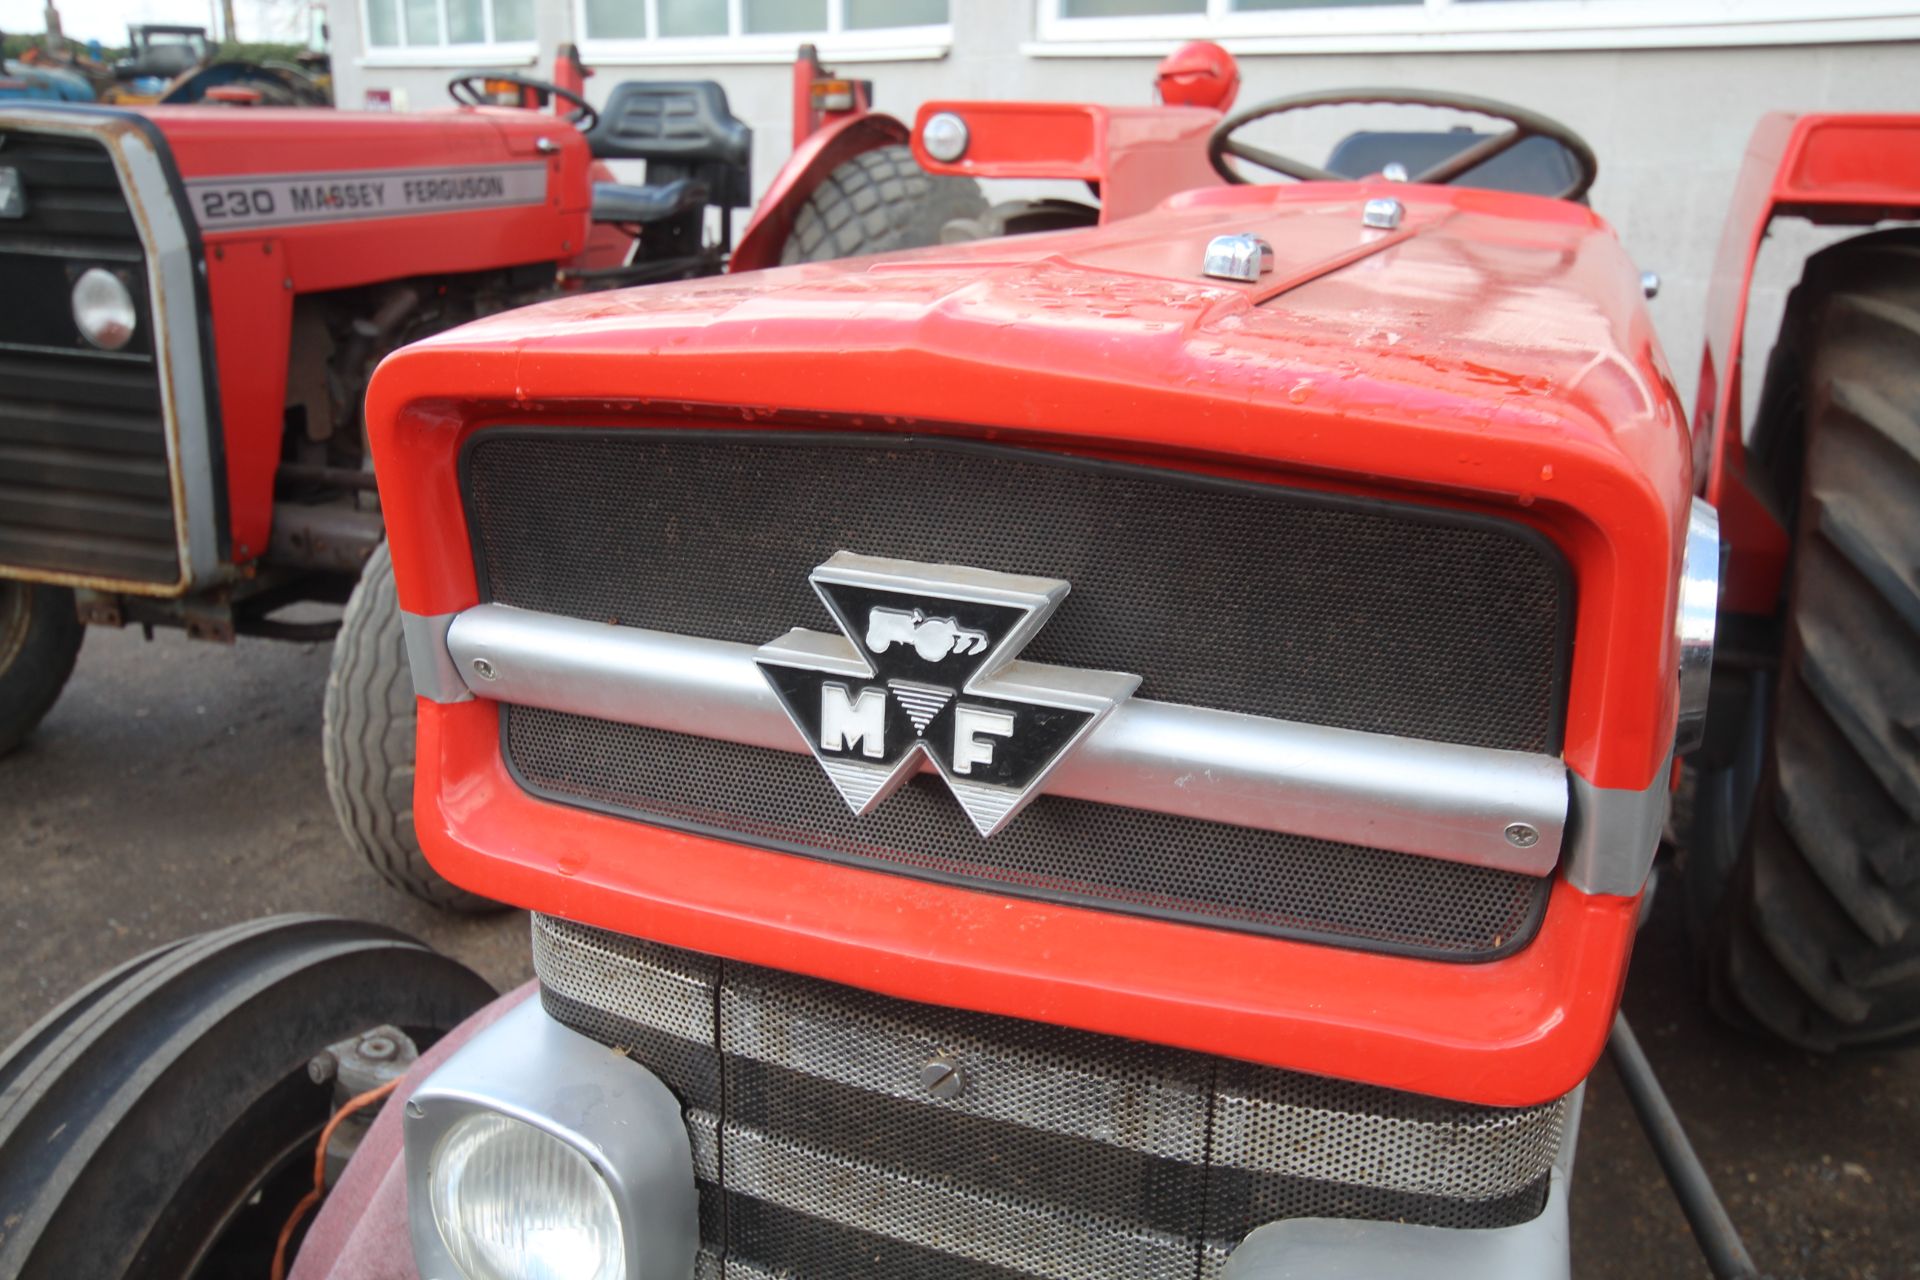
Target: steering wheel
[1526, 124]
[469, 90]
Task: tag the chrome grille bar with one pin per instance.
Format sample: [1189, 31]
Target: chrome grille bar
[1502, 809]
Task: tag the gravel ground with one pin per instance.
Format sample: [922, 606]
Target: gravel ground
[177, 786]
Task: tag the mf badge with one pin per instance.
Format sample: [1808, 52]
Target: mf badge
[928, 668]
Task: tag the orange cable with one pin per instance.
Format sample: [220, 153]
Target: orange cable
[314, 1196]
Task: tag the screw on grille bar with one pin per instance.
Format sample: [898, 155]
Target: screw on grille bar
[1438, 800]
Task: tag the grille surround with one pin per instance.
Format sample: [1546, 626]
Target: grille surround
[1068, 1154]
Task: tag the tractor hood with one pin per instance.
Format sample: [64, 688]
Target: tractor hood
[1481, 311]
[1492, 349]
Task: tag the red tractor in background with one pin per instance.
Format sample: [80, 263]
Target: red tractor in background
[196, 297]
[1801, 856]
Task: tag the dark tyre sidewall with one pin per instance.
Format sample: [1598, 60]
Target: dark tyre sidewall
[40, 635]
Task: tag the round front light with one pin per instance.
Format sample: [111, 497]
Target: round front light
[515, 1203]
[945, 137]
[103, 309]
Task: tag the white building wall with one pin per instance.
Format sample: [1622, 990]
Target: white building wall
[1669, 125]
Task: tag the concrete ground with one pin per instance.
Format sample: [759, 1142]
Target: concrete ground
[177, 786]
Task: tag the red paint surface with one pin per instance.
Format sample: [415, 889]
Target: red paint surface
[254, 275]
[1829, 169]
[1495, 355]
[1134, 157]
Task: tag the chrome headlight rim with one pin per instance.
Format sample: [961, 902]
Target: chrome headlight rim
[1696, 620]
[609, 1110]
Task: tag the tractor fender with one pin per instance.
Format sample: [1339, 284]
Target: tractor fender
[361, 1231]
[808, 166]
[1829, 169]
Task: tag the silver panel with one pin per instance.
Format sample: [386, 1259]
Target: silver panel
[425, 636]
[1431, 799]
[1615, 833]
[1073, 1097]
[939, 1216]
[1482, 1156]
[608, 1107]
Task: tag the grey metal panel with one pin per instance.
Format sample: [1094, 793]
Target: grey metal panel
[1615, 833]
[608, 1107]
[1435, 800]
[434, 676]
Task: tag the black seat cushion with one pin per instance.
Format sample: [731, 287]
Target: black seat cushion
[1538, 166]
[618, 202]
[683, 121]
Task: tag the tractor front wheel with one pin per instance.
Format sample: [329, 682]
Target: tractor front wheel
[162, 1122]
[40, 636]
[367, 742]
[1803, 869]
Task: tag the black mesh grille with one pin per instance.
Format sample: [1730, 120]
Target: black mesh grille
[84, 482]
[1246, 598]
[1148, 863]
[1243, 597]
[1065, 1154]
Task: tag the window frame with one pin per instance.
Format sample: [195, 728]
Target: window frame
[488, 52]
[1460, 26]
[835, 44]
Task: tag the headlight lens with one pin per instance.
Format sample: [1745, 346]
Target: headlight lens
[103, 309]
[515, 1203]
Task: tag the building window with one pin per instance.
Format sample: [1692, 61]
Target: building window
[755, 30]
[1364, 26]
[436, 24]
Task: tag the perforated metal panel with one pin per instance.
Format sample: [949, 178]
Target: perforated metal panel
[1065, 1155]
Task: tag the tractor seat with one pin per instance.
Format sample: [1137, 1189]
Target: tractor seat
[683, 122]
[619, 202]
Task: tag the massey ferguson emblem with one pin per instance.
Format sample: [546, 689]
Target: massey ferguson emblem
[928, 670]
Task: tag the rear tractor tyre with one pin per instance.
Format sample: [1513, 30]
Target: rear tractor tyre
[161, 1123]
[40, 636]
[1805, 853]
[367, 743]
[877, 202]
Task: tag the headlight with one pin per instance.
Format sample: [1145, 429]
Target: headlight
[103, 309]
[945, 137]
[514, 1203]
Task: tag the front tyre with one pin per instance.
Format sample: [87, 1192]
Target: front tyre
[367, 743]
[877, 202]
[161, 1123]
[1805, 858]
[40, 636]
